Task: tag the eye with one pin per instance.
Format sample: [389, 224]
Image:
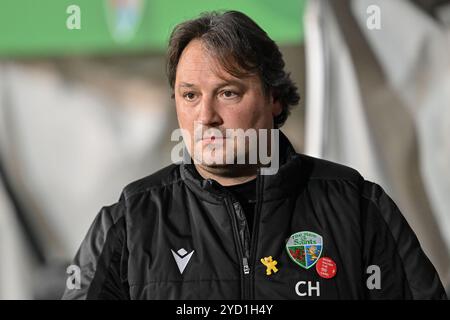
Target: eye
[189, 96]
[228, 94]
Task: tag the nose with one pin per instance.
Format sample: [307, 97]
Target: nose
[208, 115]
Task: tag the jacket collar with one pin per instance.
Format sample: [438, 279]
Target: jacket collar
[276, 186]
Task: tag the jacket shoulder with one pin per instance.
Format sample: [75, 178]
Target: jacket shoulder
[161, 178]
[322, 169]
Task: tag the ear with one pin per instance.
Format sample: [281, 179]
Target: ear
[276, 107]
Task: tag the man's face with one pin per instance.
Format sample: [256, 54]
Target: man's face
[207, 95]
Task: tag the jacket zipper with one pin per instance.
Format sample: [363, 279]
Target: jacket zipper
[255, 230]
[243, 249]
[247, 253]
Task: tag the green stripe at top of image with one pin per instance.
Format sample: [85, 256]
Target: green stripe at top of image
[39, 28]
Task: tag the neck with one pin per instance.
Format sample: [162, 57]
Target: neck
[227, 176]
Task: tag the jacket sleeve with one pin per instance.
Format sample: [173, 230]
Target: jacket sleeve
[395, 265]
[102, 259]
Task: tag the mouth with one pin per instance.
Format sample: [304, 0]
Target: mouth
[212, 139]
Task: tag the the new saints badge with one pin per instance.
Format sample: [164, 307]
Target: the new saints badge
[304, 248]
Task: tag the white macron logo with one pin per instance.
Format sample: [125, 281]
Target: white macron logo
[182, 258]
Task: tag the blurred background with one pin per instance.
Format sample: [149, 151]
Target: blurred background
[85, 109]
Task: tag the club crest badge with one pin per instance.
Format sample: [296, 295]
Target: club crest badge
[304, 248]
[124, 18]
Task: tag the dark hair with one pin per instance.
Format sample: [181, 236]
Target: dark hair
[242, 48]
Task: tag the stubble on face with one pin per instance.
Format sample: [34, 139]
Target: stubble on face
[205, 78]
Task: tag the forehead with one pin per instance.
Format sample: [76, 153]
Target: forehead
[197, 65]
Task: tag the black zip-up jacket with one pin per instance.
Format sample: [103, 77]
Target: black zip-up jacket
[173, 235]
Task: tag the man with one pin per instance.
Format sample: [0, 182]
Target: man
[215, 229]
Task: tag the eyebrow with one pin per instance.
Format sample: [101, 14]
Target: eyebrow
[219, 85]
[186, 85]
